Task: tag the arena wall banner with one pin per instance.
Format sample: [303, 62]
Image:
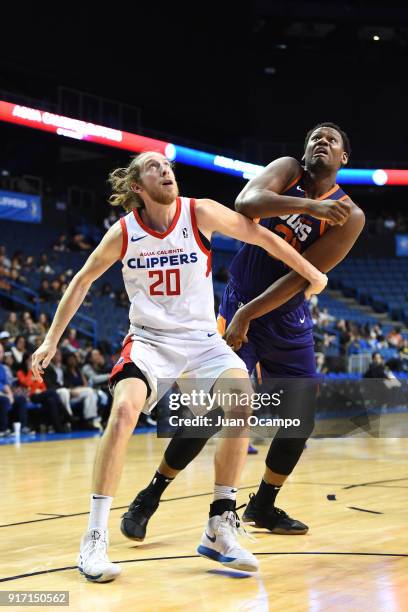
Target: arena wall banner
[78, 129]
[20, 207]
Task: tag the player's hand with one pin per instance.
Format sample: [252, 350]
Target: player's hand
[332, 211]
[236, 333]
[41, 358]
[316, 285]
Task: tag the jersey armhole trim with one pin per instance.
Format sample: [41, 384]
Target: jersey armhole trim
[125, 238]
[196, 231]
[293, 183]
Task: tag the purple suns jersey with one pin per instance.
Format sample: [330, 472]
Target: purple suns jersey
[253, 270]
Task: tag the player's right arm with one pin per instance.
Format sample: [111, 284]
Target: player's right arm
[262, 197]
[214, 217]
[102, 258]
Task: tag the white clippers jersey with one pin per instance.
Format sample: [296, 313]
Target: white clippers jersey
[168, 276]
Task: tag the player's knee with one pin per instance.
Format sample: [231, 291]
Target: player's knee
[124, 416]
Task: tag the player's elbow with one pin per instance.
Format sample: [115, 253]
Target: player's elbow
[243, 205]
[358, 217]
[82, 280]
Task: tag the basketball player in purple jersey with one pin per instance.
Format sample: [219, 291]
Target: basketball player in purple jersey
[264, 307]
[266, 314]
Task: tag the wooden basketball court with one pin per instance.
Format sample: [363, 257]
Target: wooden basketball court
[355, 555]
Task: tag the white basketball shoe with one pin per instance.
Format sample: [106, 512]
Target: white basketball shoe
[219, 543]
[93, 560]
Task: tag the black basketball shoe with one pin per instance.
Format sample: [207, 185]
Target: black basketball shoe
[273, 519]
[135, 520]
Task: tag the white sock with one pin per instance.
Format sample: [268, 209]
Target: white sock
[225, 492]
[100, 508]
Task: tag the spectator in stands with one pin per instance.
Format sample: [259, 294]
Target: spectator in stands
[324, 318]
[16, 276]
[39, 394]
[321, 366]
[12, 325]
[61, 244]
[55, 291]
[44, 265]
[17, 260]
[28, 265]
[4, 260]
[344, 334]
[31, 331]
[44, 292]
[395, 338]
[54, 380]
[25, 318]
[43, 324]
[9, 361]
[404, 355]
[376, 368]
[4, 279]
[354, 346]
[110, 219]
[18, 349]
[77, 384]
[96, 371]
[79, 243]
[5, 340]
[72, 338]
[122, 299]
[381, 343]
[328, 346]
[17, 405]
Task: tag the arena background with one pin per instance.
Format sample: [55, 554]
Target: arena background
[246, 84]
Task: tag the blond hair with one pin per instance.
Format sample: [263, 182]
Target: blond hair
[121, 181]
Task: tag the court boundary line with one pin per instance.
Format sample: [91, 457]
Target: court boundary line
[59, 516]
[74, 567]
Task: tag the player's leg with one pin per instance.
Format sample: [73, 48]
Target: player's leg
[283, 455]
[129, 399]
[179, 453]
[219, 540]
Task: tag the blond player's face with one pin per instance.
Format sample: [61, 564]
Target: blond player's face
[158, 180]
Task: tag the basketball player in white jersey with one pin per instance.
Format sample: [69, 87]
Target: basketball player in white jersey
[163, 243]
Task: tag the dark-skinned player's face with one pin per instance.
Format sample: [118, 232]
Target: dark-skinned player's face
[325, 150]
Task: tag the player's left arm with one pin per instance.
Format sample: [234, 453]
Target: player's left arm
[214, 217]
[326, 253]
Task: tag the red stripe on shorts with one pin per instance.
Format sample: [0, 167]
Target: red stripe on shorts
[123, 359]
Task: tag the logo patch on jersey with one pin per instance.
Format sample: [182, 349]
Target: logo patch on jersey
[133, 239]
[161, 262]
[185, 232]
[299, 226]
